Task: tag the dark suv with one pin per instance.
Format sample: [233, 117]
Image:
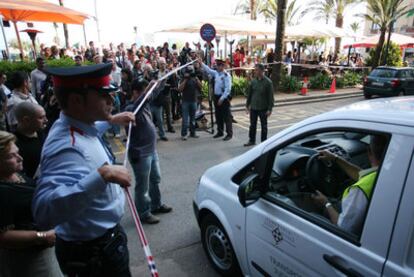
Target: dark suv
[389, 81]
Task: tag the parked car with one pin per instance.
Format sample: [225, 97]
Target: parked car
[389, 81]
[259, 213]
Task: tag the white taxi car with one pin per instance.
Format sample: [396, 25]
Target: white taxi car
[329, 196]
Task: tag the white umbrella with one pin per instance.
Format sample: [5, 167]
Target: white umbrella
[316, 31]
[230, 25]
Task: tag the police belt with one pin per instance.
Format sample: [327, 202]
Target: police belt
[102, 240]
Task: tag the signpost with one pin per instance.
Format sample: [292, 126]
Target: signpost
[208, 33]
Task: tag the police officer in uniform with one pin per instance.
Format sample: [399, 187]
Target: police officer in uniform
[79, 190]
[222, 90]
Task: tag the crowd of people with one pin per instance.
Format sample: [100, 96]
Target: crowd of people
[54, 155]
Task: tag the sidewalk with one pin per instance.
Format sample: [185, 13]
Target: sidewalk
[284, 99]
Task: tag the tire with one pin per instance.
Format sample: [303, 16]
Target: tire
[401, 93]
[367, 96]
[218, 248]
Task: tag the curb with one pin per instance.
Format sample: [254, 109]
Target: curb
[307, 99]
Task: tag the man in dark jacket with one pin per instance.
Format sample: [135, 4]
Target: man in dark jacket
[259, 103]
[143, 155]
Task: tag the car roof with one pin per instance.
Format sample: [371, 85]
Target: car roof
[394, 68]
[392, 110]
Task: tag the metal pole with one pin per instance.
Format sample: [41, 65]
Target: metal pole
[97, 22]
[4, 37]
[18, 40]
[210, 89]
[84, 35]
[349, 53]
[225, 44]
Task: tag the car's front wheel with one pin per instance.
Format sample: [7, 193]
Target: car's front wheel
[218, 248]
[367, 96]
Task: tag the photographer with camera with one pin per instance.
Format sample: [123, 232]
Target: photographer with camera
[166, 93]
[190, 87]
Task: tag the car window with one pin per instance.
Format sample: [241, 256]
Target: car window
[383, 73]
[404, 74]
[329, 178]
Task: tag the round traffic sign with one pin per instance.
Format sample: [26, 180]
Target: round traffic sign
[207, 32]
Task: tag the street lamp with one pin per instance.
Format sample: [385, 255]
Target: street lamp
[32, 34]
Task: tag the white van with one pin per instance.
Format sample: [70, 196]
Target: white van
[330, 196]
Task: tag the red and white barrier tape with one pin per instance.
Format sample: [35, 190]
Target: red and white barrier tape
[310, 66]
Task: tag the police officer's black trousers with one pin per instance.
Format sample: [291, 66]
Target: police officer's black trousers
[223, 116]
[105, 256]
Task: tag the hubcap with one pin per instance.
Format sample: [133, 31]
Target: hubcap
[218, 247]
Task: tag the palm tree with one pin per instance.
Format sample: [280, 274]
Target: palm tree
[269, 11]
[383, 13]
[332, 8]
[323, 10]
[249, 6]
[280, 34]
[355, 26]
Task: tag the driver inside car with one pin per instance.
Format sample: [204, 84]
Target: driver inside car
[355, 198]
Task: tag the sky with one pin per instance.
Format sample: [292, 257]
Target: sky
[117, 19]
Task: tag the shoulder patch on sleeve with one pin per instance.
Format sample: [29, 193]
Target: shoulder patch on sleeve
[72, 130]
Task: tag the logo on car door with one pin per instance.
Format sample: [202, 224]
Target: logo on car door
[279, 233]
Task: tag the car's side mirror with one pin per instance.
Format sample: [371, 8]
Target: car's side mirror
[249, 191]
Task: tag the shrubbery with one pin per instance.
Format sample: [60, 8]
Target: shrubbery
[238, 87]
[290, 83]
[320, 81]
[9, 67]
[394, 55]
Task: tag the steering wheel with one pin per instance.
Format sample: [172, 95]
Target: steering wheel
[317, 173]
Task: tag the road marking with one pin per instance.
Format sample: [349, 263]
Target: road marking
[269, 128]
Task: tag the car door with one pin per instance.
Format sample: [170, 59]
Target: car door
[401, 256]
[283, 240]
[410, 82]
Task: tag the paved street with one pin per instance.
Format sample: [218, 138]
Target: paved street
[175, 241]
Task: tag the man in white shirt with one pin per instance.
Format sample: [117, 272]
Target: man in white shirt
[37, 76]
[21, 93]
[115, 73]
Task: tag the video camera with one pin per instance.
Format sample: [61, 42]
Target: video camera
[189, 72]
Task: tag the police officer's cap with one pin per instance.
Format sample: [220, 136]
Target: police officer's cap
[83, 77]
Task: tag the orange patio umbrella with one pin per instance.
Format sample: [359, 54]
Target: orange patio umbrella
[38, 10]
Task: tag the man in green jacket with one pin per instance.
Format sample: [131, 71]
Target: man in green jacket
[259, 103]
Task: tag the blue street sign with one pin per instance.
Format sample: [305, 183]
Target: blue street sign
[207, 32]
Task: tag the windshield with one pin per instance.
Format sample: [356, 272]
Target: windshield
[383, 73]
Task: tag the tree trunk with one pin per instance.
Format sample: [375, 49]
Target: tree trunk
[65, 29]
[384, 57]
[379, 47]
[253, 15]
[338, 23]
[280, 34]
